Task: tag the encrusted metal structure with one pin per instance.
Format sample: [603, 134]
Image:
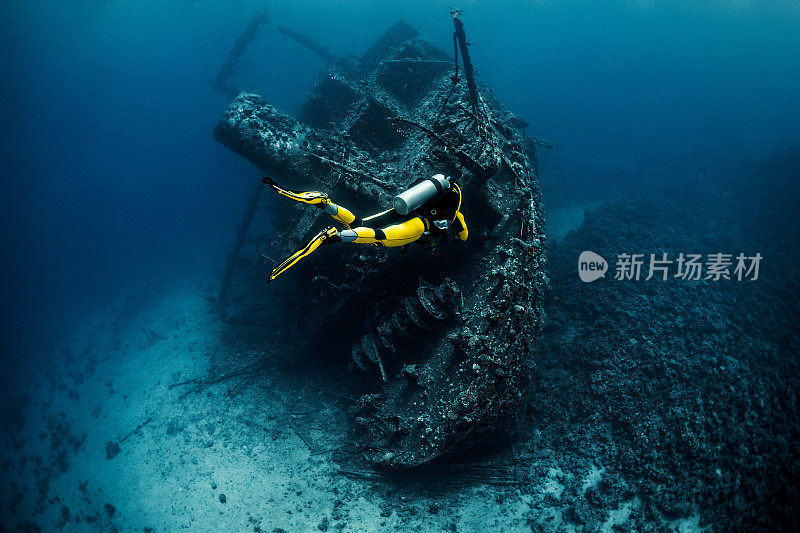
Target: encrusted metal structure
[419, 314]
[444, 334]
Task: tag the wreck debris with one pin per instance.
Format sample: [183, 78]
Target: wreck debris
[447, 359]
[241, 234]
[469, 72]
[398, 34]
[112, 449]
[465, 159]
[466, 474]
[418, 315]
[222, 81]
[309, 43]
[530, 144]
[135, 430]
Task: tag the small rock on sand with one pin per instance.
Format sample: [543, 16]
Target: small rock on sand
[112, 449]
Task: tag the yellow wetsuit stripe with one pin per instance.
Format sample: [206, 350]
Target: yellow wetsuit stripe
[344, 215]
[395, 235]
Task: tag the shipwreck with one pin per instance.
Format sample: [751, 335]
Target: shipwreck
[444, 336]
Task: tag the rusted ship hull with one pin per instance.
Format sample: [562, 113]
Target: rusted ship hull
[446, 335]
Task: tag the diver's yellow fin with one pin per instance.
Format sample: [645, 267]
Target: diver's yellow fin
[326, 236]
[309, 197]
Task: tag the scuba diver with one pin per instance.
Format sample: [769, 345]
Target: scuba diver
[429, 208]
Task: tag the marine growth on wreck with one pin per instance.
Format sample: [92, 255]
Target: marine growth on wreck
[445, 332]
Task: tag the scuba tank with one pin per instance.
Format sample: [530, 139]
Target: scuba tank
[421, 193]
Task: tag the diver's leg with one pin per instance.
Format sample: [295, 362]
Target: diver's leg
[337, 212]
[315, 198]
[326, 236]
[308, 197]
[398, 234]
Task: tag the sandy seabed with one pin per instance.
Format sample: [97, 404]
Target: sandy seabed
[114, 426]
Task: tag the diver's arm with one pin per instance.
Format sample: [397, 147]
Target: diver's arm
[460, 227]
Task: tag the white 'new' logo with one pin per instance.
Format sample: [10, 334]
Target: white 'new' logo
[591, 266]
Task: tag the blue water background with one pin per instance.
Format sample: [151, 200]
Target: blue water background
[111, 176]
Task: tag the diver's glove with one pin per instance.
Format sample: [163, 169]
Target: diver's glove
[441, 225]
[327, 236]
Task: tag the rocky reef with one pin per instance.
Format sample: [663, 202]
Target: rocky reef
[683, 393]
